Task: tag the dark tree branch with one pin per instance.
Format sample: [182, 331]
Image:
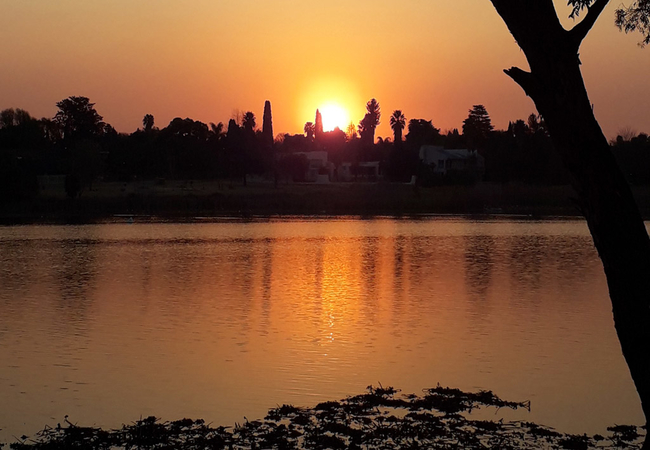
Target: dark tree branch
[580, 31]
[524, 79]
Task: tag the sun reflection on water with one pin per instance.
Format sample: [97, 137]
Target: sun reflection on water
[225, 320]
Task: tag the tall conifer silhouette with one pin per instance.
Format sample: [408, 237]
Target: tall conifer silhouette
[267, 125]
[318, 125]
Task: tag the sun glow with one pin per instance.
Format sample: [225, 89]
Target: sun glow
[336, 98]
[334, 116]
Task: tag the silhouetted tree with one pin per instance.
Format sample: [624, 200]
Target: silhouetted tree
[518, 129]
[82, 129]
[267, 125]
[249, 157]
[22, 142]
[216, 149]
[216, 129]
[14, 117]
[633, 155]
[248, 122]
[233, 134]
[188, 149]
[51, 130]
[369, 123]
[310, 129]
[397, 123]
[536, 123]
[477, 127]
[374, 110]
[147, 123]
[365, 129]
[108, 130]
[519, 154]
[421, 132]
[403, 160]
[556, 86]
[295, 143]
[7, 117]
[22, 117]
[318, 126]
[19, 130]
[626, 134]
[78, 118]
[187, 128]
[453, 139]
[234, 142]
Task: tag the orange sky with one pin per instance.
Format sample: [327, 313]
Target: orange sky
[205, 59]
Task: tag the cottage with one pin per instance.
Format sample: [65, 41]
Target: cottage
[364, 170]
[319, 169]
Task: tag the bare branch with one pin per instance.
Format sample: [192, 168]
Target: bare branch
[580, 31]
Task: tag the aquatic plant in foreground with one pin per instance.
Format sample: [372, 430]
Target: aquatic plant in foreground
[377, 419]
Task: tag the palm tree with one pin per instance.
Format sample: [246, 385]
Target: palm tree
[310, 130]
[397, 123]
[371, 120]
[216, 130]
[374, 110]
[248, 122]
[147, 122]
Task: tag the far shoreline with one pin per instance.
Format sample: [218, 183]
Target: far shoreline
[216, 201]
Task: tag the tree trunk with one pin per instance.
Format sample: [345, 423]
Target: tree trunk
[556, 86]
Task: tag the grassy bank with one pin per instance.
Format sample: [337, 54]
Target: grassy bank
[175, 200]
[185, 200]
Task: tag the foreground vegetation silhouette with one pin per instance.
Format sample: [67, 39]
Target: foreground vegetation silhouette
[378, 419]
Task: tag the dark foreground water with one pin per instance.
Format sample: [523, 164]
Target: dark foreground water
[108, 323]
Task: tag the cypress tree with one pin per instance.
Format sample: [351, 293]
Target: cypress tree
[267, 125]
[318, 125]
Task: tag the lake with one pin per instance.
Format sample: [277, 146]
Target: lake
[109, 323]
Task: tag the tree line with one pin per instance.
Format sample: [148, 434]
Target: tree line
[77, 143]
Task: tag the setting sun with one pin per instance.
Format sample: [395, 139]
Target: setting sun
[337, 98]
[334, 116]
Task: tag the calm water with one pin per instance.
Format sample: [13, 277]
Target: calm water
[108, 323]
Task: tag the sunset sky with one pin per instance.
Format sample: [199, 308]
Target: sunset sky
[207, 59]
